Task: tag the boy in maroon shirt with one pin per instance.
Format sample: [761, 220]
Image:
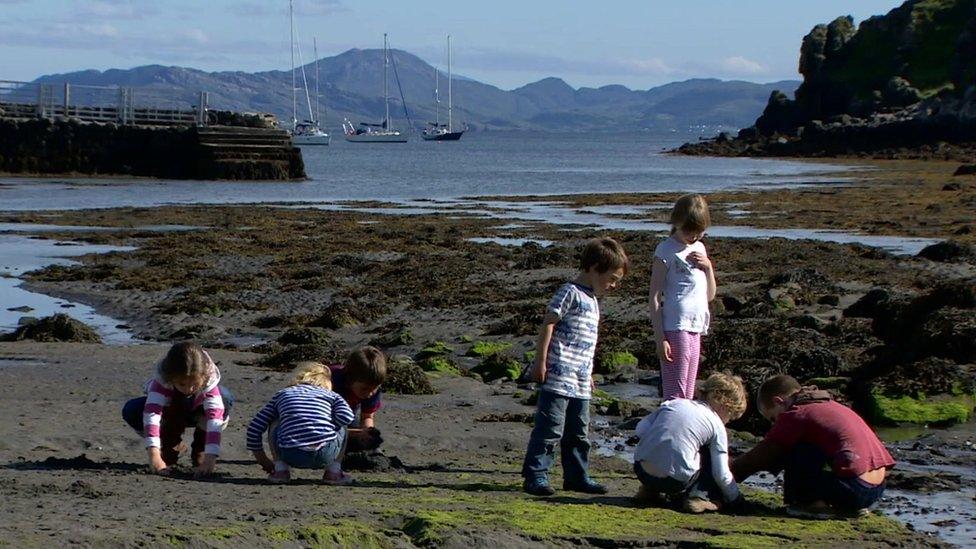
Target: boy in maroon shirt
[810, 432]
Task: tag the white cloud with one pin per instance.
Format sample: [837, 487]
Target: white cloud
[740, 66]
[646, 67]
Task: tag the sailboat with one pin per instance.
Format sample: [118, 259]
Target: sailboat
[306, 132]
[435, 131]
[377, 133]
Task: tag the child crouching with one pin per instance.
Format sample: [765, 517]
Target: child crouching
[306, 424]
[683, 450]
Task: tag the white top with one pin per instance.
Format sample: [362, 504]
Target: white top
[685, 288]
[672, 437]
[569, 360]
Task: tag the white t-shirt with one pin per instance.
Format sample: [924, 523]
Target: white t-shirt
[673, 437]
[685, 288]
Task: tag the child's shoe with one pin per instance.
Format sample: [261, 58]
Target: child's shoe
[698, 505]
[817, 510]
[538, 487]
[647, 497]
[280, 477]
[333, 478]
[588, 486]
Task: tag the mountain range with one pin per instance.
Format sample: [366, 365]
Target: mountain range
[351, 87]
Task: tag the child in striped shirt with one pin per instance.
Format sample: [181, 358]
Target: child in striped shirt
[185, 392]
[564, 370]
[306, 424]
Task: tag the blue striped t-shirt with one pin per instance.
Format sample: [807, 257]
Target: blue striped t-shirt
[307, 415]
[569, 362]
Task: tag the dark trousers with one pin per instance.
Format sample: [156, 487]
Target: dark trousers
[701, 485]
[807, 479]
[565, 421]
[177, 417]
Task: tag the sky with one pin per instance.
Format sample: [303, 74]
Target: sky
[507, 43]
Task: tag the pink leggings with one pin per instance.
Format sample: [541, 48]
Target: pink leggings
[678, 376]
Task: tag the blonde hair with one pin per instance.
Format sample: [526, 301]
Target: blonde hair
[186, 360]
[690, 213]
[726, 390]
[312, 373]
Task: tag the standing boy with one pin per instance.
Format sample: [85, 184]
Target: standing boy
[564, 369]
[832, 461]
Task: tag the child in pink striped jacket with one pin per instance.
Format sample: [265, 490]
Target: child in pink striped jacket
[185, 392]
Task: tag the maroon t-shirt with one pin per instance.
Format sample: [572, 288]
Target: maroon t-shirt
[851, 447]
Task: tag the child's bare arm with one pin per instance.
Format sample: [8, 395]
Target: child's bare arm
[659, 272]
[367, 420]
[538, 371]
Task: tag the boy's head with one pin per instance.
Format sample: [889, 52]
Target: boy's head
[775, 395]
[690, 217]
[605, 263]
[726, 395]
[312, 373]
[186, 367]
[365, 371]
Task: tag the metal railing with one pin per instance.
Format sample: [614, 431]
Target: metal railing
[106, 104]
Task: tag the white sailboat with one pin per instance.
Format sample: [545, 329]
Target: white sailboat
[377, 133]
[435, 131]
[306, 132]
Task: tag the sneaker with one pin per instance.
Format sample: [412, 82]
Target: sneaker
[337, 479]
[588, 486]
[279, 477]
[698, 505]
[538, 487]
[817, 510]
[647, 497]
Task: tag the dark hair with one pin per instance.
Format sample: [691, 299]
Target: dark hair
[777, 386]
[366, 365]
[690, 213]
[605, 254]
[185, 359]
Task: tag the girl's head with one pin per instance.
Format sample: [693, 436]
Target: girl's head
[186, 367]
[726, 395]
[313, 373]
[689, 218]
[366, 371]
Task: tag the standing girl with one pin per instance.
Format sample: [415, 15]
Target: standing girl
[682, 284]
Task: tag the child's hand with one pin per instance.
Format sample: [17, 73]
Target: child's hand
[700, 260]
[538, 373]
[206, 466]
[156, 463]
[264, 462]
[664, 351]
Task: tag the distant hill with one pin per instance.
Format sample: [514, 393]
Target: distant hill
[351, 86]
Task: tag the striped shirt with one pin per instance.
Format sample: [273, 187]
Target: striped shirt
[569, 360]
[307, 416]
[159, 395]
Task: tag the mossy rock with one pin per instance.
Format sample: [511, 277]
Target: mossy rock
[599, 397]
[59, 327]
[286, 359]
[940, 410]
[405, 377]
[395, 338]
[498, 366]
[436, 348]
[615, 362]
[439, 364]
[305, 336]
[483, 349]
[338, 315]
[529, 357]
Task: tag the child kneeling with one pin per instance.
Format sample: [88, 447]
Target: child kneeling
[683, 449]
[306, 425]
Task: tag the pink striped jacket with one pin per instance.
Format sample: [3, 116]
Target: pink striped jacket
[159, 394]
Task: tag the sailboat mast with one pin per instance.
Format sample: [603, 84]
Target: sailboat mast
[294, 98]
[386, 85]
[450, 102]
[315, 52]
[437, 98]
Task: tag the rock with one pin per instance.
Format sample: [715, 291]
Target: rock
[440, 364]
[948, 250]
[21, 309]
[305, 336]
[339, 314]
[614, 362]
[507, 417]
[482, 349]
[59, 327]
[498, 366]
[952, 187]
[286, 359]
[899, 92]
[869, 305]
[830, 299]
[809, 322]
[372, 461]
[965, 169]
[199, 332]
[625, 409]
[436, 348]
[394, 338]
[405, 377]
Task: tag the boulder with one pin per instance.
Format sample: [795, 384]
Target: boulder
[405, 377]
[59, 327]
[948, 250]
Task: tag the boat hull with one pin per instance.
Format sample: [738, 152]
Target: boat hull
[449, 136]
[376, 138]
[306, 140]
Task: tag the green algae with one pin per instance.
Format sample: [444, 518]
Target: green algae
[344, 533]
[614, 362]
[436, 348]
[498, 366]
[942, 410]
[483, 349]
[439, 364]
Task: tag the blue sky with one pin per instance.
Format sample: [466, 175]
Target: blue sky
[507, 43]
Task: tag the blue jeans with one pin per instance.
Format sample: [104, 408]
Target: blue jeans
[564, 420]
[177, 417]
[313, 459]
[701, 485]
[806, 480]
